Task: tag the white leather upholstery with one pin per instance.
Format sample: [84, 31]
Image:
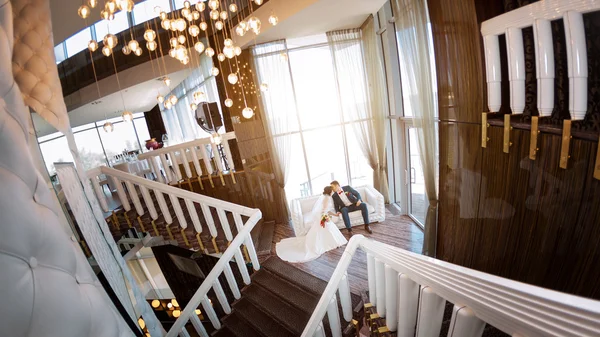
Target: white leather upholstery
[303, 206]
[47, 286]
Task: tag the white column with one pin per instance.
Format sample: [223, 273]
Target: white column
[408, 304]
[577, 64]
[371, 277]
[334, 318]
[544, 70]
[391, 291]
[197, 323]
[492, 72]
[345, 298]
[464, 323]
[431, 313]
[210, 313]
[516, 69]
[380, 287]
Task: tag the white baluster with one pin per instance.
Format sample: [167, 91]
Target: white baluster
[544, 70]
[232, 282]
[206, 159]
[217, 157]
[99, 193]
[184, 333]
[221, 296]
[134, 197]
[239, 259]
[431, 313]
[186, 163]
[334, 318]
[197, 323]
[516, 69]
[178, 211]
[196, 161]
[228, 155]
[345, 299]
[320, 332]
[391, 292]
[193, 215]
[210, 313]
[239, 224]
[371, 278]
[209, 220]
[175, 165]
[464, 323]
[120, 192]
[224, 224]
[408, 304]
[252, 252]
[156, 168]
[148, 202]
[493, 72]
[166, 168]
[380, 287]
[577, 64]
[162, 204]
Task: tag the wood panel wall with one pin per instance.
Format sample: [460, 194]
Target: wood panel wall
[505, 214]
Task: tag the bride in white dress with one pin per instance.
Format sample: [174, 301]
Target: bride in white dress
[322, 236]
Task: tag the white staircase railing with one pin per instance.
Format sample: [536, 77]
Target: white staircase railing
[410, 291]
[193, 152]
[212, 281]
[137, 190]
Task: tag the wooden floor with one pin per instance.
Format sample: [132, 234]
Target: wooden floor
[397, 230]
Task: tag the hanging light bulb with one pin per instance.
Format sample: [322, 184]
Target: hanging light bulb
[167, 81]
[104, 14]
[93, 45]
[214, 71]
[149, 35]
[201, 6]
[223, 15]
[180, 24]
[160, 98]
[166, 24]
[93, 3]
[232, 78]
[162, 15]
[233, 8]
[203, 25]
[239, 30]
[106, 51]
[108, 127]
[258, 2]
[229, 102]
[273, 19]
[138, 52]
[181, 52]
[214, 14]
[228, 42]
[110, 6]
[193, 106]
[125, 5]
[215, 138]
[173, 42]
[254, 23]
[221, 57]
[181, 39]
[210, 52]
[172, 52]
[186, 4]
[229, 52]
[127, 116]
[247, 112]
[195, 15]
[237, 51]
[199, 46]
[194, 30]
[264, 87]
[110, 41]
[84, 11]
[126, 50]
[173, 99]
[168, 106]
[186, 12]
[219, 25]
[133, 45]
[213, 4]
[151, 45]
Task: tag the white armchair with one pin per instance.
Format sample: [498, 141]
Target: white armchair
[303, 206]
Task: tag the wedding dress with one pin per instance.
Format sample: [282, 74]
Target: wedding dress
[317, 241]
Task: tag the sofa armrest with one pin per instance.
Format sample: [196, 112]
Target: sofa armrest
[375, 199]
[297, 216]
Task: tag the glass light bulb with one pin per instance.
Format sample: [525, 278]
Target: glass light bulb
[149, 35]
[185, 12]
[162, 15]
[172, 52]
[173, 99]
[232, 78]
[201, 6]
[155, 303]
[199, 46]
[186, 4]
[126, 50]
[108, 127]
[83, 11]
[138, 52]
[233, 8]
[240, 31]
[228, 42]
[221, 57]
[181, 52]
[93, 45]
[181, 25]
[237, 51]
[229, 52]
[258, 2]
[214, 14]
[110, 6]
[274, 20]
[151, 45]
[93, 3]
[166, 24]
[213, 4]
[219, 25]
[126, 5]
[194, 30]
[133, 45]
[181, 39]
[167, 81]
[127, 116]
[110, 41]
[216, 138]
[168, 106]
[223, 15]
[254, 23]
[264, 87]
[173, 42]
[214, 71]
[160, 98]
[203, 25]
[195, 15]
[229, 102]
[247, 112]
[210, 52]
[194, 106]
[199, 97]
[106, 51]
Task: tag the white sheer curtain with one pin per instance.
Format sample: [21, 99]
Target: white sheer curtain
[359, 77]
[415, 51]
[180, 121]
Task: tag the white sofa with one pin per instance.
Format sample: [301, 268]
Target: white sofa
[303, 206]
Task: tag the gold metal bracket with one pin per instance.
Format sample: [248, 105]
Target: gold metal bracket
[233, 177]
[246, 255]
[212, 184]
[200, 182]
[127, 219]
[170, 233]
[507, 143]
[141, 224]
[155, 229]
[566, 144]
[199, 239]
[484, 128]
[185, 239]
[190, 185]
[383, 329]
[214, 242]
[374, 316]
[597, 166]
[222, 179]
[368, 305]
[533, 147]
[115, 220]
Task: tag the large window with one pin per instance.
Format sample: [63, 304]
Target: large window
[78, 42]
[144, 11]
[322, 137]
[96, 147]
[59, 53]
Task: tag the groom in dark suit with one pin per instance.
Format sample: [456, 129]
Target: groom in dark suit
[346, 200]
